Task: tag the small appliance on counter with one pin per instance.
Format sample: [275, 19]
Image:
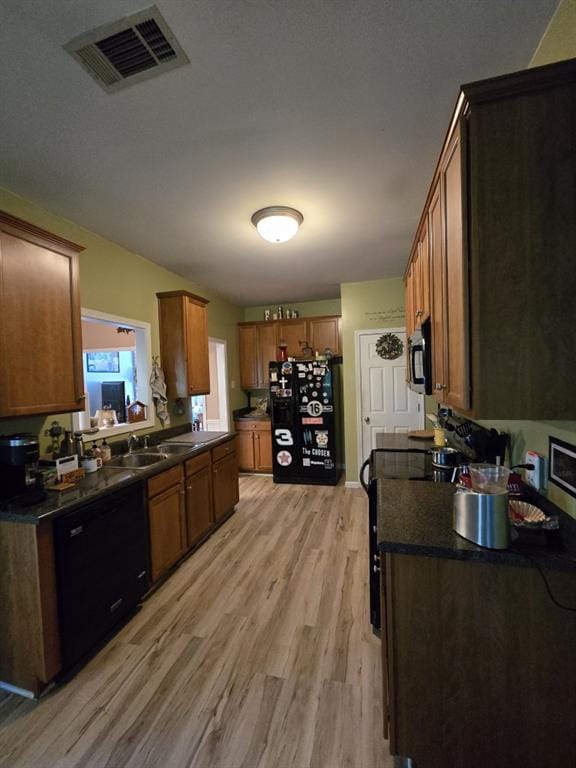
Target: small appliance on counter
[480, 512]
[19, 456]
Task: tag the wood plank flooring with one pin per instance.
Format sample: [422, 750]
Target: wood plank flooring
[256, 653]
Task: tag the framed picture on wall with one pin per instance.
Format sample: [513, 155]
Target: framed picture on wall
[103, 362]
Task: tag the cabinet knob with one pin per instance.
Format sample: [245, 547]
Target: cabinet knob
[376, 569]
[440, 387]
[367, 419]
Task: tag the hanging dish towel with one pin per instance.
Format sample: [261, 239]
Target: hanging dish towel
[158, 385]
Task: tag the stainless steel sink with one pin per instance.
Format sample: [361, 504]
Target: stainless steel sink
[135, 460]
[166, 448]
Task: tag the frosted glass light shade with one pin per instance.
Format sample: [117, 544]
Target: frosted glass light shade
[278, 223]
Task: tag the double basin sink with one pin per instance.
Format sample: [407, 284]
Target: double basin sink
[146, 457]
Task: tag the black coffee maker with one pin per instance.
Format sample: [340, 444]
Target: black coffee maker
[19, 456]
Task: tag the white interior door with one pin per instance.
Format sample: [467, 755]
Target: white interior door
[216, 403]
[386, 402]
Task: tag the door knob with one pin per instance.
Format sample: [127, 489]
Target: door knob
[367, 419]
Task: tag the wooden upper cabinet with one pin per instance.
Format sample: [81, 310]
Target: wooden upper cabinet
[417, 281]
[267, 343]
[249, 357]
[502, 240]
[437, 287]
[258, 343]
[40, 330]
[257, 347]
[325, 333]
[293, 332]
[409, 300]
[184, 343]
[456, 364]
[424, 269]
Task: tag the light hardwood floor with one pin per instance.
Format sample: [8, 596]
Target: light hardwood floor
[256, 653]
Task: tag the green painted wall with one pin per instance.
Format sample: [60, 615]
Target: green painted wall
[558, 43]
[559, 40]
[533, 435]
[373, 304]
[305, 308]
[115, 280]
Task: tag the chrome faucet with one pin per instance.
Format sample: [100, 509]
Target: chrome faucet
[132, 442]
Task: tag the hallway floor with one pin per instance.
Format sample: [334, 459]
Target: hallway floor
[256, 653]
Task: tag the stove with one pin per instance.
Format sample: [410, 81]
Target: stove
[399, 457]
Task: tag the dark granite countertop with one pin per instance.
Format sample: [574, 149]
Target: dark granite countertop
[415, 518]
[401, 442]
[98, 484]
[243, 414]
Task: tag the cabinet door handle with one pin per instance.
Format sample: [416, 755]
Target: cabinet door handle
[440, 387]
[116, 605]
[182, 493]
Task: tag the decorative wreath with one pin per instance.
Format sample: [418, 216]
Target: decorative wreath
[389, 346]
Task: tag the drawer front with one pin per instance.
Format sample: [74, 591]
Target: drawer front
[244, 426]
[165, 480]
[221, 451]
[262, 426]
[197, 463]
[250, 426]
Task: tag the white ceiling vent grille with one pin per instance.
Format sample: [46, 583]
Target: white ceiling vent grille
[128, 51]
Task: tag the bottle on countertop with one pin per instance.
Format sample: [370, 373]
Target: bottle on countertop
[67, 446]
[282, 353]
[79, 445]
[96, 450]
[106, 451]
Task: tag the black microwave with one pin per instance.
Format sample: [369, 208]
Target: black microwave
[420, 360]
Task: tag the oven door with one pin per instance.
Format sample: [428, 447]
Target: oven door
[374, 578]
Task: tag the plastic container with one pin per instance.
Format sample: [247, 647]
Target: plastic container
[439, 436]
[489, 478]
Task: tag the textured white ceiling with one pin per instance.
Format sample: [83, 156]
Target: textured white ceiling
[335, 107]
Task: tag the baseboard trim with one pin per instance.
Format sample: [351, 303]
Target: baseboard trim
[352, 484]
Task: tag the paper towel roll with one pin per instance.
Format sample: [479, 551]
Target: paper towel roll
[84, 416]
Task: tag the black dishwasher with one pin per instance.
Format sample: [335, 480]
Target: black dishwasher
[102, 568]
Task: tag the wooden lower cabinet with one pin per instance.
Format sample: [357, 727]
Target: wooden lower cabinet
[199, 513]
[254, 446]
[224, 481]
[264, 449]
[167, 520]
[478, 663]
[29, 633]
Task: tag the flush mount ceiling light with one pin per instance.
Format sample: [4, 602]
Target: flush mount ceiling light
[277, 223]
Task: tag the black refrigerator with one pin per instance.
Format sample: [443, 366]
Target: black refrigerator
[304, 398]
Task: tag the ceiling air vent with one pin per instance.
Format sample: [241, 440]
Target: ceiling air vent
[128, 51]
